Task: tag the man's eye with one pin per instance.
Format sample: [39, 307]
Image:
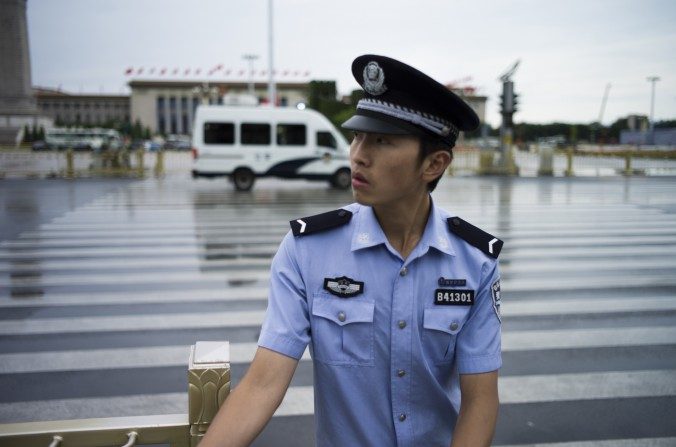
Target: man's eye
[381, 140]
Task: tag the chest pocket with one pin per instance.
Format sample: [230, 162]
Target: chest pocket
[441, 327]
[342, 330]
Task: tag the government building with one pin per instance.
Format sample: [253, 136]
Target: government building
[67, 109]
[168, 106]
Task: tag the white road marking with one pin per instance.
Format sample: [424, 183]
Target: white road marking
[514, 284]
[587, 338]
[154, 356]
[132, 297]
[299, 400]
[586, 386]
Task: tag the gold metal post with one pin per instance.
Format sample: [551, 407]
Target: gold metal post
[208, 385]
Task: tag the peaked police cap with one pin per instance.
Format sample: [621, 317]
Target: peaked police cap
[399, 99]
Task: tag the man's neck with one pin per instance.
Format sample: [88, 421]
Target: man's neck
[404, 223]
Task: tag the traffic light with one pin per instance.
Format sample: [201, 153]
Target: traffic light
[508, 100]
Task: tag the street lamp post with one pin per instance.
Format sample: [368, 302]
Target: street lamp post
[272, 94]
[653, 80]
[251, 58]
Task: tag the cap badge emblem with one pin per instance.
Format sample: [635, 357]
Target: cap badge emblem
[374, 79]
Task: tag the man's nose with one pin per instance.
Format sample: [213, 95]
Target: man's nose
[359, 151]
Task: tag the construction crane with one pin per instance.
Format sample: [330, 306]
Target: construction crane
[507, 76]
[598, 125]
[603, 103]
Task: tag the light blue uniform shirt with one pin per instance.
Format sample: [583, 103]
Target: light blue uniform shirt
[386, 361]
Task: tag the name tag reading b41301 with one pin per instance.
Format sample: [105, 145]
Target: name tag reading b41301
[453, 297]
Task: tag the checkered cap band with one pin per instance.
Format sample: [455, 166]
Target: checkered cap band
[429, 122]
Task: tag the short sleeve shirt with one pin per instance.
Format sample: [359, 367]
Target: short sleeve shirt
[387, 358]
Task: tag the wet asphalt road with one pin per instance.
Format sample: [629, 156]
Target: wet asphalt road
[93, 271]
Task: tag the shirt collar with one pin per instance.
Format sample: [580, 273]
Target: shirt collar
[436, 232]
[368, 233]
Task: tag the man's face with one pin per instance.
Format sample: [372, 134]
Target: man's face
[385, 168]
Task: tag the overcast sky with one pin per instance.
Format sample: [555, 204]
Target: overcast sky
[569, 50]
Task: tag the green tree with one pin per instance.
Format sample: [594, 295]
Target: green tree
[321, 92]
[125, 128]
[137, 130]
[27, 136]
[355, 96]
[35, 133]
[617, 127]
[667, 124]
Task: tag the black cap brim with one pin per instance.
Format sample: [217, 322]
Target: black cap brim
[366, 121]
[362, 123]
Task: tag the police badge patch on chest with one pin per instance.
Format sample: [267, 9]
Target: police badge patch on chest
[343, 287]
[495, 292]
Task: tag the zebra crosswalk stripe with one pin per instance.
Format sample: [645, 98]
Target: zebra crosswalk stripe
[153, 356]
[299, 400]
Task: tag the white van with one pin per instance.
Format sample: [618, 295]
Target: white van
[248, 142]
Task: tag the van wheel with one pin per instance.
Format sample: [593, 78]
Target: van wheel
[341, 179]
[243, 179]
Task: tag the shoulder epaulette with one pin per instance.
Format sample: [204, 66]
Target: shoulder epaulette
[475, 236]
[320, 222]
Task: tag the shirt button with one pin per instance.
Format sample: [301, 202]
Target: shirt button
[402, 417]
[401, 373]
[454, 326]
[403, 271]
[341, 316]
[402, 324]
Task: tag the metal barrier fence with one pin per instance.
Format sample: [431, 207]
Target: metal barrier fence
[467, 161]
[208, 386]
[70, 164]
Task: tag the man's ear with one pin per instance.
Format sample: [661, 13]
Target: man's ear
[435, 165]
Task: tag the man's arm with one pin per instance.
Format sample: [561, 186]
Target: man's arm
[478, 410]
[253, 401]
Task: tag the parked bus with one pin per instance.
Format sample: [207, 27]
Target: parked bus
[82, 139]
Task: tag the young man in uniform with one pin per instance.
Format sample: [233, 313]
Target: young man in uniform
[397, 299]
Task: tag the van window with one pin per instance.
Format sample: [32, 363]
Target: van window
[291, 135]
[255, 133]
[219, 133]
[326, 139]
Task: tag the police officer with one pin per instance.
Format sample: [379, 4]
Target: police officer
[398, 300]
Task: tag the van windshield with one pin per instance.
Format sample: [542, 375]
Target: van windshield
[326, 139]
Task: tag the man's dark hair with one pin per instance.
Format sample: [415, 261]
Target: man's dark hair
[429, 145]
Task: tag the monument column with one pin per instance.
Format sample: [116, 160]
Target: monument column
[17, 102]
